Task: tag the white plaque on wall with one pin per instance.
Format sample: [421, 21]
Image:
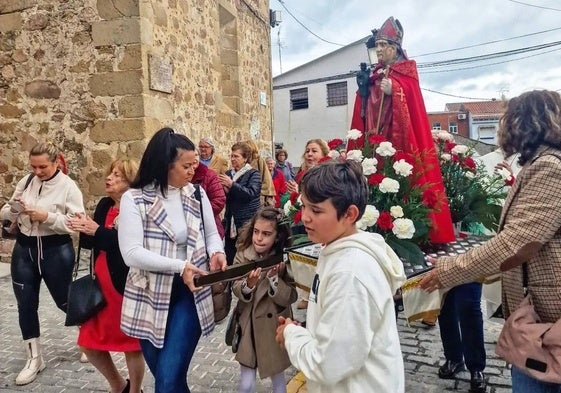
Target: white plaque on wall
[160, 72]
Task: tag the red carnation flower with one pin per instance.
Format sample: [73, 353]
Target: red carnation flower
[298, 217]
[375, 179]
[385, 221]
[430, 198]
[334, 143]
[469, 163]
[376, 139]
[401, 155]
[448, 146]
[293, 197]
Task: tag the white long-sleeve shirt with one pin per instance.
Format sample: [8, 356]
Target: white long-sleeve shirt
[131, 233]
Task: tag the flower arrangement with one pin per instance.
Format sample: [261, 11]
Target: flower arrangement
[475, 197]
[398, 207]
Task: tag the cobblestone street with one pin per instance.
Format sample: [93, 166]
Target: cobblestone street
[213, 368]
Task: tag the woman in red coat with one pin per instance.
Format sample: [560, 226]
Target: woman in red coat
[208, 180]
[278, 180]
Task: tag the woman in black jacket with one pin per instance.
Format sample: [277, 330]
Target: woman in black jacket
[102, 333]
[242, 185]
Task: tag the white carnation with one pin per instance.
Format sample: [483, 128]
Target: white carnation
[333, 154]
[446, 156]
[354, 134]
[369, 166]
[403, 228]
[385, 149]
[403, 168]
[369, 217]
[460, 149]
[354, 155]
[287, 207]
[445, 136]
[469, 174]
[389, 185]
[396, 211]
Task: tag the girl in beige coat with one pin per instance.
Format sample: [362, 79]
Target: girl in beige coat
[263, 297]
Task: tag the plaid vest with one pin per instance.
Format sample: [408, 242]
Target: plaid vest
[147, 294]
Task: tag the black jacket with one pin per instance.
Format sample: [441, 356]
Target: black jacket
[106, 240]
[242, 202]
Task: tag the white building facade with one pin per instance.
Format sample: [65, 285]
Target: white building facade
[316, 99]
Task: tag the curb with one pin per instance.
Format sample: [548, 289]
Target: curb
[297, 384]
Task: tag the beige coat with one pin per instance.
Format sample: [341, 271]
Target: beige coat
[529, 231]
[218, 164]
[258, 320]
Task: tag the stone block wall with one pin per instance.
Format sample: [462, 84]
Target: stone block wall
[80, 74]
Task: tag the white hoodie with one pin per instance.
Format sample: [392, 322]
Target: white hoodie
[351, 343]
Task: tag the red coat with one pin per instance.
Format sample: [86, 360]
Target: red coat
[280, 185]
[405, 123]
[208, 180]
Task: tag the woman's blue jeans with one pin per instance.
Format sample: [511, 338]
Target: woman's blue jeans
[461, 326]
[522, 383]
[170, 364]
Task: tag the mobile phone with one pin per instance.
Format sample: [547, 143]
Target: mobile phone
[16, 206]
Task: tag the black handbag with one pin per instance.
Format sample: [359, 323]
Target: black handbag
[85, 298]
[234, 331]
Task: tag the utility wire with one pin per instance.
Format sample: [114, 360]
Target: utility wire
[485, 43]
[536, 6]
[488, 56]
[489, 64]
[456, 96]
[306, 28]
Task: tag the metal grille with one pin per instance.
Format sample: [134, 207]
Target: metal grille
[337, 94]
[299, 99]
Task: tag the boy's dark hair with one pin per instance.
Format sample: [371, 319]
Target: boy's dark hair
[274, 215]
[342, 182]
[159, 156]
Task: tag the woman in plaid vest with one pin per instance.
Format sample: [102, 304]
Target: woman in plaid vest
[163, 242]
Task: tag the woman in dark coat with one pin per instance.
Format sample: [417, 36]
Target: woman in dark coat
[242, 185]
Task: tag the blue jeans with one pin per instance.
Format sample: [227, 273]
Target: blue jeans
[523, 383]
[170, 364]
[461, 326]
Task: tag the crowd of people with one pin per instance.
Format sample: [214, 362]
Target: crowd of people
[187, 212]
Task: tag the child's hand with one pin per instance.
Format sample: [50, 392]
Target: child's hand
[275, 270]
[283, 323]
[253, 278]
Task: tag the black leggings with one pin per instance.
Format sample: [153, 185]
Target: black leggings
[56, 270]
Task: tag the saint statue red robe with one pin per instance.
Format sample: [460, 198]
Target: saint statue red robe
[404, 122]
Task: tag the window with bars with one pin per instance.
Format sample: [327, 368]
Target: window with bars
[299, 99]
[337, 94]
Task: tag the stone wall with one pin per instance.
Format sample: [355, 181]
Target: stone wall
[98, 78]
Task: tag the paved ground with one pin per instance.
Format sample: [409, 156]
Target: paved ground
[213, 368]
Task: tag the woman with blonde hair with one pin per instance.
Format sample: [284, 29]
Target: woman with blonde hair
[41, 204]
[267, 187]
[102, 333]
[316, 150]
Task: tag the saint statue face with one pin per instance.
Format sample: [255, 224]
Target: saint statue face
[386, 52]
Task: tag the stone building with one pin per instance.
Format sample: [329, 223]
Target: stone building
[99, 77]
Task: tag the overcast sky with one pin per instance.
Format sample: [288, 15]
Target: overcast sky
[431, 26]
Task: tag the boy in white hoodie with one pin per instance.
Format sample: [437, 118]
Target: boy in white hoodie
[350, 343]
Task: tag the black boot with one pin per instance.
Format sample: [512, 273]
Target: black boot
[449, 369]
[477, 382]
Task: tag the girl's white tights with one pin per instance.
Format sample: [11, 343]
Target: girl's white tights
[247, 381]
